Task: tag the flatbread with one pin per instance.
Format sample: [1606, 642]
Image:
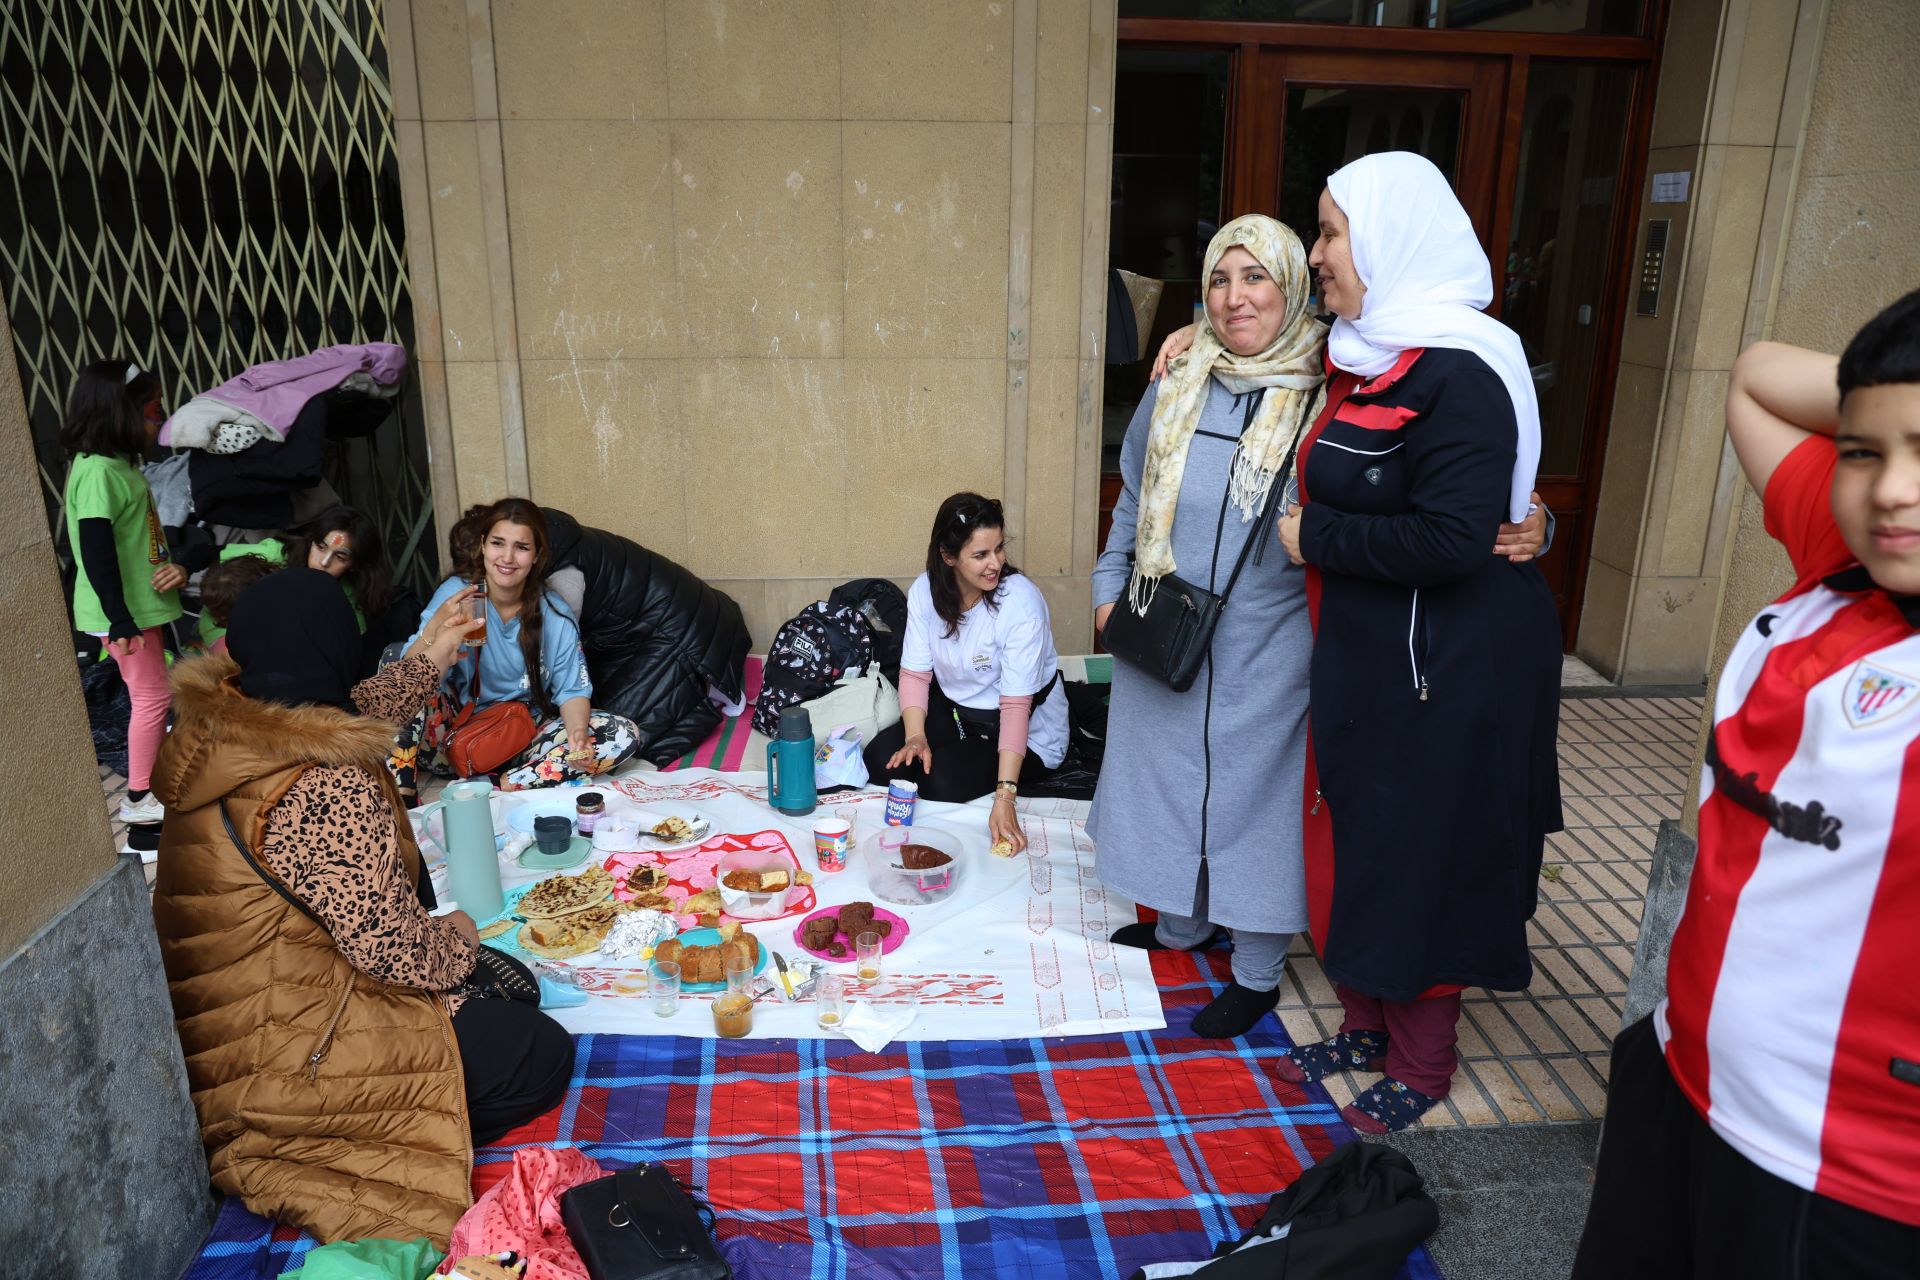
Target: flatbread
[562, 895]
[574, 934]
[673, 830]
[498, 927]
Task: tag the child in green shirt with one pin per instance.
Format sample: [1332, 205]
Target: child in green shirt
[127, 586]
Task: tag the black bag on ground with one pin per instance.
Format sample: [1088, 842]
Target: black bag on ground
[884, 606]
[108, 708]
[1354, 1216]
[640, 1224]
[809, 654]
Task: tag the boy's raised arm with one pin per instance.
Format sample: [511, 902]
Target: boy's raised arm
[1778, 396]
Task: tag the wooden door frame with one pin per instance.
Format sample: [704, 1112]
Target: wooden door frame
[1251, 180]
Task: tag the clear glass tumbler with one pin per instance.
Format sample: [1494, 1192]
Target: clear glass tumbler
[733, 1008]
[830, 1000]
[663, 984]
[866, 950]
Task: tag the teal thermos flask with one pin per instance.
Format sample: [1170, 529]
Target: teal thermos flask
[473, 867]
[790, 765]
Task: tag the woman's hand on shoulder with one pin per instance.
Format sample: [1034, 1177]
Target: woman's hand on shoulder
[915, 748]
[1172, 349]
[1521, 542]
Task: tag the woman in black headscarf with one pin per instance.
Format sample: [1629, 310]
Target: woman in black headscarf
[342, 1061]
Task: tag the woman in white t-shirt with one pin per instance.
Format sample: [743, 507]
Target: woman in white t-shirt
[979, 676]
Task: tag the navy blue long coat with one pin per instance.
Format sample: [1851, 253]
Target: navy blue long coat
[1436, 682]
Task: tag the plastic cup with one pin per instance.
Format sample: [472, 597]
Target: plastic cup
[830, 1001]
[866, 951]
[663, 983]
[832, 839]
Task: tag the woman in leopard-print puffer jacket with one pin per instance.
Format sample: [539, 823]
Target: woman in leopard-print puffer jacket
[341, 1078]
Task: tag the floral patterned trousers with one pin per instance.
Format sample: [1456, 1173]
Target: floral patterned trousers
[422, 744]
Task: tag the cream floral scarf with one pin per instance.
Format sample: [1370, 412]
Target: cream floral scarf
[1290, 370]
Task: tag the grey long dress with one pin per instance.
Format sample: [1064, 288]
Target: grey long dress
[1199, 805]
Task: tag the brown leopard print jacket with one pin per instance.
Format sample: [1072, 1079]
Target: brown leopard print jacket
[331, 840]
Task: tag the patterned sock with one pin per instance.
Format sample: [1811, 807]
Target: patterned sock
[1348, 1051]
[1388, 1107]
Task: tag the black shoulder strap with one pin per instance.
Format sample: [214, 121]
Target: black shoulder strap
[1256, 541]
[273, 882]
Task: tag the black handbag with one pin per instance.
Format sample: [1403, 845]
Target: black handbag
[499, 976]
[1172, 637]
[640, 1224]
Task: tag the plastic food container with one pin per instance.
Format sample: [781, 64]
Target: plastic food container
[749, 904]
[891, 880]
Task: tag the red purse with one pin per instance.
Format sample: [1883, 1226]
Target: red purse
[484, 739]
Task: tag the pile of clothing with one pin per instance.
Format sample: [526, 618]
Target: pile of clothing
[255, 444]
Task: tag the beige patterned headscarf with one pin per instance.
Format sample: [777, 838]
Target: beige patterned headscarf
[1290, 369]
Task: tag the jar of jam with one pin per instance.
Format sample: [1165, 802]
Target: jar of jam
[587, 810]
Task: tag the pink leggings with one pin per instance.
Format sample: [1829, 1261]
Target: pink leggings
[1420, 1036]
[145, 674]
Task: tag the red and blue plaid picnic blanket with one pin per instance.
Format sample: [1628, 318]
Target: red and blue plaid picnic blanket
[1073, 1158]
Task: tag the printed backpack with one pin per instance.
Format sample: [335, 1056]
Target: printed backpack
[810, 653]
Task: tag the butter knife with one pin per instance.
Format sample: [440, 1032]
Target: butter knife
[780, 963]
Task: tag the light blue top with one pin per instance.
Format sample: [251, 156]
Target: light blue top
[503, 673]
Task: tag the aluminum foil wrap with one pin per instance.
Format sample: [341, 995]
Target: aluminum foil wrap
[635, 934]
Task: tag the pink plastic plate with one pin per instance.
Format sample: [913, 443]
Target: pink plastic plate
[888, 944]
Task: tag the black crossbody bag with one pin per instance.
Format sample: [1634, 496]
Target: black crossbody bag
[641, 1224]
[1173, 637]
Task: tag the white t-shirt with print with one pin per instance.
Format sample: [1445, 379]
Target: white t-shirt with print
[1003, 650]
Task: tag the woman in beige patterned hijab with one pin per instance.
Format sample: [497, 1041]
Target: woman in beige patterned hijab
[1199, 805]
[1257, 335]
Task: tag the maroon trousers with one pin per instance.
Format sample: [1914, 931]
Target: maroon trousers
[1421, 1035]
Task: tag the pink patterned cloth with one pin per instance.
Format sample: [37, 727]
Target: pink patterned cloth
[522, 1212]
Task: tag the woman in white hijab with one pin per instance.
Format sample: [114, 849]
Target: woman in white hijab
[1436, 667]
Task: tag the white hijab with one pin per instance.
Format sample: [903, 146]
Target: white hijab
[1427, 279]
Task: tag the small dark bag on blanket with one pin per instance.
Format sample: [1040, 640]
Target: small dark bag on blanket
[1173, 635]
[640, 1224]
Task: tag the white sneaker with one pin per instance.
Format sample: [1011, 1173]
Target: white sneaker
[147, 810]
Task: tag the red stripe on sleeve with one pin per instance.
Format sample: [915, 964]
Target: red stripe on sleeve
[1375, 417]
[1872, 1125]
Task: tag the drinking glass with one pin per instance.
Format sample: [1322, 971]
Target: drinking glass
[663, 983]
[866, 950]
[830, 1000]
[733, 1008]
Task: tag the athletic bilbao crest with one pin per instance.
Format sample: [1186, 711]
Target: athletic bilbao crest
[1874, 693]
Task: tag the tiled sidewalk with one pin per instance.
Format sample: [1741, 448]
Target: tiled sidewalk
[1542, 1054]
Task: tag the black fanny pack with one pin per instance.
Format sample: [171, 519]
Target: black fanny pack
[980, 722]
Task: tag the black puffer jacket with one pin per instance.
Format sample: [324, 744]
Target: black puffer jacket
[656, 636]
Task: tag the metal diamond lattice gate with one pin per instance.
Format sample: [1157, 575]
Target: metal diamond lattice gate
[200, 185]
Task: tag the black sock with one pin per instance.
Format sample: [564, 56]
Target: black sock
[135, 797]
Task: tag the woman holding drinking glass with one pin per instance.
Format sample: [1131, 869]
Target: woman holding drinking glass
[530, 652]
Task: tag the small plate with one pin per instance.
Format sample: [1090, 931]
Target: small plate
[888, 945]
[649, 818]
[711, 938]
[577, 850]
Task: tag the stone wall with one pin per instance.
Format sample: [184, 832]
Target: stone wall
[759, 282]
[95, 1084]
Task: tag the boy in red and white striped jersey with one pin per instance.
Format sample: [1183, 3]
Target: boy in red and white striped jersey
[1765, 1120]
